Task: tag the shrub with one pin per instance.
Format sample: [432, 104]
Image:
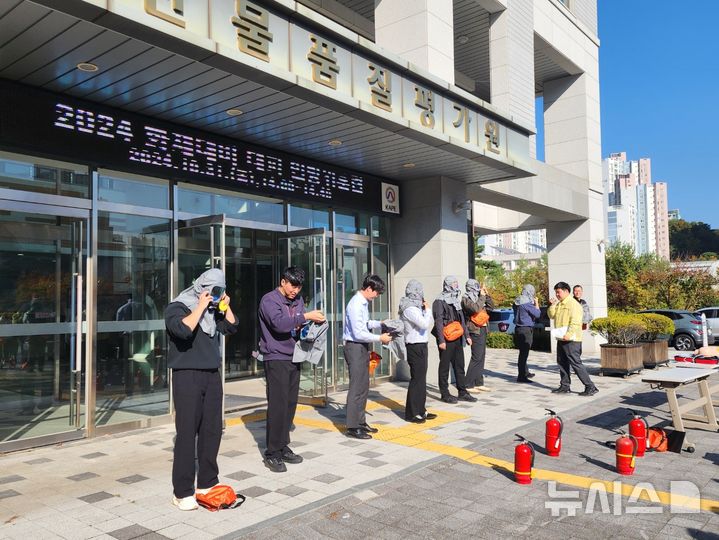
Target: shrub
[500, 340]
[619, 329]
[656, 325]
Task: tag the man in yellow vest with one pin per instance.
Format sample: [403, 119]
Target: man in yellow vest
[567, 313]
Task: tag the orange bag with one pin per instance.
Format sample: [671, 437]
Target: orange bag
[480, 318]
[220, 497]
[374, 360]
[453, 331]
[657, 439]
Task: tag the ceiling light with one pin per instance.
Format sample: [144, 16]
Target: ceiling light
[462, 39]
[334, 142]
[408, 165]
[87, 66]
[233, 112]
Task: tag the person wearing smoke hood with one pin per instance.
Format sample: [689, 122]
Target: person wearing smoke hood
[417, 318]
[447, 310]
[194, 322]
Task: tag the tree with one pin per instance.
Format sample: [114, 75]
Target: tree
[690, 239]
[648, 281]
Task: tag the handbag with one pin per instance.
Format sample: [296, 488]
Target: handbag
[453, 331]
[480, 318]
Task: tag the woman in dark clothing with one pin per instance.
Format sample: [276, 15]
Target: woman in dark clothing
[474, 301]
[194, 322]
[526, 312]
[446, 309]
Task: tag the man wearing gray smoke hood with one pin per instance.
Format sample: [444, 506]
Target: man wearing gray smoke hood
[194, 322]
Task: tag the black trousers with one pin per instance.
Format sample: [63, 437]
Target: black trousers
[475, 370]
[197, 395]
[523, 336]
[283, 386]
[357, 358]
[569, 356]
[454, 355]
[417, 390]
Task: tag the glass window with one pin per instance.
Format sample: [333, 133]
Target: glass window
[207, 203]
[308, 217]
[134, 192]
[379, 227]
[30, 175]
[347, 223]
[132, 274]
[380, 306]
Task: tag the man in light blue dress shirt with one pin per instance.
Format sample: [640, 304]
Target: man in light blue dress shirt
[357, 338]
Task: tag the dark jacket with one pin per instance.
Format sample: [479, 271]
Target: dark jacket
[279, 318]
[193, 349]
[470, 308]
[444, 314]
[526, 314]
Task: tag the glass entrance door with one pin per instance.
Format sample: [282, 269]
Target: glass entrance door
[42, 324]
[308, 250]
[352, 265]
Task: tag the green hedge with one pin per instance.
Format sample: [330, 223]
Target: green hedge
[500, 340]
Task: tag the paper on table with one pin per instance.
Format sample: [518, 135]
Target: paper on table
[559, 333]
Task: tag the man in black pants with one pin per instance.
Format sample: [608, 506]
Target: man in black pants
[194, 322]
[282, 314]
[447, 309]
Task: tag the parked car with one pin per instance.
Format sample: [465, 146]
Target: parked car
[688, 334]
[712, 315]
[502, 320]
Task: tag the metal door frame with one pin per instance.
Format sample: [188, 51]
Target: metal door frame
[82, 338]
[323, 399]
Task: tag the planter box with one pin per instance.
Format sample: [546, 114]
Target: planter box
[656, 353]
[621, 359]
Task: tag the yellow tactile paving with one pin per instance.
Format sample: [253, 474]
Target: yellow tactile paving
[414, 435]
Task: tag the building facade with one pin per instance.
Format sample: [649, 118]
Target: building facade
[636, 207]
[145, 141]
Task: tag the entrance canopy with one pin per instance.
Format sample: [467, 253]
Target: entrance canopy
[285, 78]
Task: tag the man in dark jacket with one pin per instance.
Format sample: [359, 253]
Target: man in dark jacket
[282, 314]
[194, 322]
[447, 309]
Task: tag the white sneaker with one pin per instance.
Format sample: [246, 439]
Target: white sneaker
[484, 388]
[203, 491]
[186, 503]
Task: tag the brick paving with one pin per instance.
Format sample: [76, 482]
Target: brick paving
[426, 480]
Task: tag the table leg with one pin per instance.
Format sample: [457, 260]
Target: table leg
[674, 409]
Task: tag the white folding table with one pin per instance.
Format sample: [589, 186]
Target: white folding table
[671, 379]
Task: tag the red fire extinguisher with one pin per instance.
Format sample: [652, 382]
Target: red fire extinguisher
[626, 449]
[639, 429]
[523, 461]
[553, 434]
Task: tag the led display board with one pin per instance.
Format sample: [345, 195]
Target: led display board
[75, 130]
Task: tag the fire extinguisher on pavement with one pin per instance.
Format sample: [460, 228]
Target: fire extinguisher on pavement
[523, 461]
[639, 428]
[553, 434]
[626, 450]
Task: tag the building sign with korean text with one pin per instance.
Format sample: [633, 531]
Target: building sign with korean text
[252, 32]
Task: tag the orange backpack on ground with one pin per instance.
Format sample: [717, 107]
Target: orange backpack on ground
[480, 318]
[453, 331]
[657, 439]
[220, 497]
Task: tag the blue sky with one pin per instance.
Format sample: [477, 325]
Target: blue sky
[659, 77]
